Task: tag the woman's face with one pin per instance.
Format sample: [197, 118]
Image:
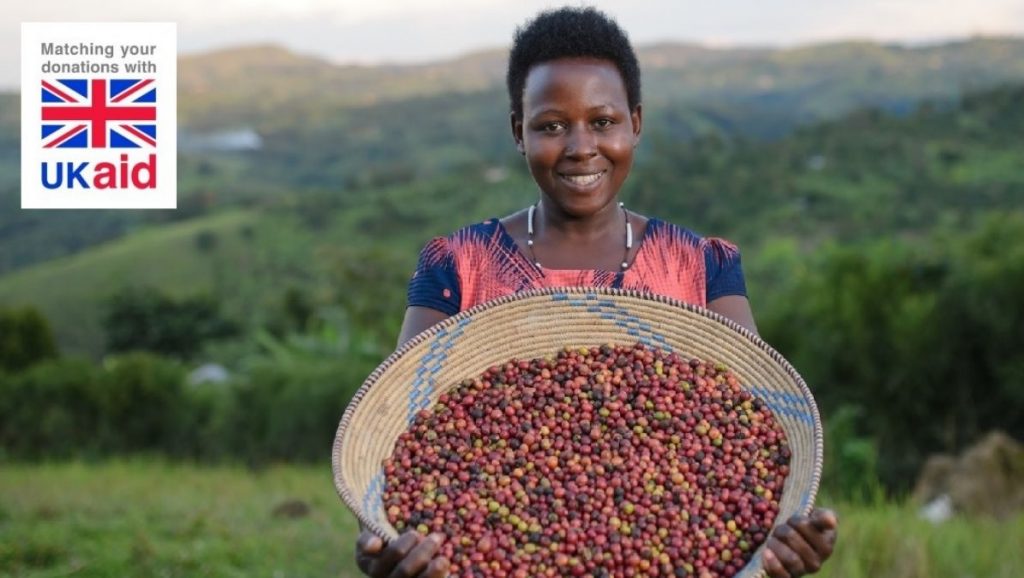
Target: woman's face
[577, 133]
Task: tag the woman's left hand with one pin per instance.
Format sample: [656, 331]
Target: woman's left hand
[801, 545]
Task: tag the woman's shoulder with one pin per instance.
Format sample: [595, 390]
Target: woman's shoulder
[671, 236]
[479, 230]
[669, 232]
[473, 241]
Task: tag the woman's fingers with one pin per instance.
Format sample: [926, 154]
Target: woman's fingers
[773, 565]
[438, 567]
[367, 547]
[819, 531]
[793, 550]
[825, 519]
[803, 543]
[369, 543]
[396, 551]
[419, 558]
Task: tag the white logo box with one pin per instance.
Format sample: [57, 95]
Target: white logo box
[99, 58]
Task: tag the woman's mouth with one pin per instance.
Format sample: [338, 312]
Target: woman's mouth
[582, 181]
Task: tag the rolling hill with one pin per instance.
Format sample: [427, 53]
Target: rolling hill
[866, 176]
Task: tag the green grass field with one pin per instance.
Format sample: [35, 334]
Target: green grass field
[159, 519]
[152, 518]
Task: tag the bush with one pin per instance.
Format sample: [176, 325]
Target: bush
[925, 340]
[851, 461]
[25, 338]
[146, 319]
[291, 411]
[51, 410]
[134, 403]
[283, 405]
[143, 403]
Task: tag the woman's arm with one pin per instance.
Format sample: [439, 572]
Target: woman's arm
[736, 308]
[418, 319]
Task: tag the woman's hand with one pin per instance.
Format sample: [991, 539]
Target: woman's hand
[801, 545]
[408, 556]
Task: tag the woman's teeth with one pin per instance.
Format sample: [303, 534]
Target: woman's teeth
[582, 180]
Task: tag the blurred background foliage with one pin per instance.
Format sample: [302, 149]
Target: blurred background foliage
[875, 191]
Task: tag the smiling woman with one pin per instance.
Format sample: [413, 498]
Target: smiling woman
[578, 133]
[576, 117]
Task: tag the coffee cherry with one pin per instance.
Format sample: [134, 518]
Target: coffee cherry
[600, 461]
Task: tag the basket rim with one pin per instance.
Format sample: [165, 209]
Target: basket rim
[343, 431]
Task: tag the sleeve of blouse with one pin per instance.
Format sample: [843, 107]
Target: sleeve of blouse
[435, 283]
[724, 271]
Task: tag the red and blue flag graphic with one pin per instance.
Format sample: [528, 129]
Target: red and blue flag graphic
[99, 113]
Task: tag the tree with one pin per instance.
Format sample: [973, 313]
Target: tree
[921, 344]
[25, 338]
[146, 319]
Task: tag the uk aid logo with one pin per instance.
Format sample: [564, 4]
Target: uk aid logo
[100, 132]
[100, 114]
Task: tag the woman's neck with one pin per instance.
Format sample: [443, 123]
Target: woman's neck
[551, 221]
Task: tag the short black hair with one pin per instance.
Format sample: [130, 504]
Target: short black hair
[570, 32]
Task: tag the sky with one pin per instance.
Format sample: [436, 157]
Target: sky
[408, 31]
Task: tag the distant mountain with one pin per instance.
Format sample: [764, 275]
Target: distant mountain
[324, 138]
[756, 91]
[247, 86]
[310, 125]
[255, 86]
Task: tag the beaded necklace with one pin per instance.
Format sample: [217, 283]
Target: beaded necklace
[529, 240]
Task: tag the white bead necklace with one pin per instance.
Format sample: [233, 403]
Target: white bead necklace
[629, 236]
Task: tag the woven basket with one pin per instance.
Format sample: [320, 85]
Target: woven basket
[540, 323]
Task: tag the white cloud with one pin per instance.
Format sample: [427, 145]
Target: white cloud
[925, 20]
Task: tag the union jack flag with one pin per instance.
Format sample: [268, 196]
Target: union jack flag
[99, 113]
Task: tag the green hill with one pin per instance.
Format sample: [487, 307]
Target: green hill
[331, 247]
[70, 290]
[350, 129]
[258, 85]
[250, 85]
[867, 176]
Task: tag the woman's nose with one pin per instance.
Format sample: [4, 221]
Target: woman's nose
[580, 143]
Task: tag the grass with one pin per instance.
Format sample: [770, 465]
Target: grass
[152, 518]
[890, 541]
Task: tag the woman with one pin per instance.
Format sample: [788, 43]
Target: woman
[574, 86]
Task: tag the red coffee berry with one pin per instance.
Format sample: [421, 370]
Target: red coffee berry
[610, 461]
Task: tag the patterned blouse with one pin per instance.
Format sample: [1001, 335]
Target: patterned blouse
[482, 262]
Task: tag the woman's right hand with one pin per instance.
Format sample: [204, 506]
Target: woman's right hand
[411, 555]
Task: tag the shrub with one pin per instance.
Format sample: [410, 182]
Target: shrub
[51, 409]
[25, 338]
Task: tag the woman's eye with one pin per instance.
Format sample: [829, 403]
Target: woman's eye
[551, 127]
[603, 122]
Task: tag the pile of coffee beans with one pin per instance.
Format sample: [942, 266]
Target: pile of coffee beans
[602, 461]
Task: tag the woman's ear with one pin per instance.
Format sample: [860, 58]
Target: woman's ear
[517, 132]
[637, 116]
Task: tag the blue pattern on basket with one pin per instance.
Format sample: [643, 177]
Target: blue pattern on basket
[792, 405]
[785, 403]
[804, 500]
[610, 310]
[432, 362]
[373, 496]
